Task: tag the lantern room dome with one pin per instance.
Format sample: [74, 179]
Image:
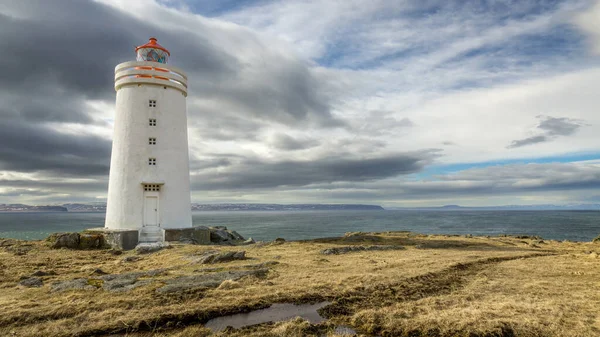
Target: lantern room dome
[152, 51]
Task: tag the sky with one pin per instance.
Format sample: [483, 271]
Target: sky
[388, 102]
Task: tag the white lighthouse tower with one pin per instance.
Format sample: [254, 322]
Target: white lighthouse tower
[149, 183]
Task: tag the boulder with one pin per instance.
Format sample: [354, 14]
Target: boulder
[218, 235]
[32, 282]
[237, 236]
[64, 240]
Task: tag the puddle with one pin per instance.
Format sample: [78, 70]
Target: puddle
[344, 330]
[275, 313]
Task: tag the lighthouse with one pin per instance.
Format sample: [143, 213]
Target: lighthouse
[149, 181]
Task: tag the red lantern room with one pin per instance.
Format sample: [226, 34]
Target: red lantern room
[152, 52]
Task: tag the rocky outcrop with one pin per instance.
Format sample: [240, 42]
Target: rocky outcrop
[219, 257]
[349, 249]
[221, 235]
[213, 280]
[32, 282]
[110, 282]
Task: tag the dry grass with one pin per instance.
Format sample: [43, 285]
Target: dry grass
[438, 286]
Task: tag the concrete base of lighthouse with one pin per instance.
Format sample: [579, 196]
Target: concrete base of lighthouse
[124, 239]
[128, 239]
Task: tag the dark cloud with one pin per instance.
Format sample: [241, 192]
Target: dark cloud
[528, 141]
[559, 126]
[252, 173]
[514, 179]
[57, 185]
[285, 142]
[31, 148]
[63, 53]
[551, 128]
[208, 163]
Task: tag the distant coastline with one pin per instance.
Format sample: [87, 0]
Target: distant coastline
[101, 208]
[232, 207]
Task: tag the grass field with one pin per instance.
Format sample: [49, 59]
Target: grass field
[436, 286]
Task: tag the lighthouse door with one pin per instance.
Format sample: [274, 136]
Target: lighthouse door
[151, 211]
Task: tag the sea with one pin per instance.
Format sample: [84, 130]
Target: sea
[301, 225]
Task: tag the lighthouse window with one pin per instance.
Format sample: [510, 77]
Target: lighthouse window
[151, 161]
[152, 141]
[152, 122]
[152, 103]
[151, 188]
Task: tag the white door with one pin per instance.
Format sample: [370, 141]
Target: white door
[151, 211]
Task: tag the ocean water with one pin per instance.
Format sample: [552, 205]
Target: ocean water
[557, 225]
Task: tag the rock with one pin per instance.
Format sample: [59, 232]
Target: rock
[80, 283]
[91, 241]
[65, 240]
[250, 241]
[115, 252]
[217, 257]
[243, 267]
[32, 282]
[146, 248]
[43, 273]
[348, 249]
[218, 235]
[7, 243]
[237, 236]
[280, 240]
[99, 271]
[109, 282]
[131, 259]
[260, 265]
[213, 280]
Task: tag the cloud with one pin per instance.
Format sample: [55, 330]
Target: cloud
[559, 126]
[552, 128]
[261, 174]
[285, 142]
[48, 82]
[589, 23]
[528, 141]
[299, 100]
[32, 148]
